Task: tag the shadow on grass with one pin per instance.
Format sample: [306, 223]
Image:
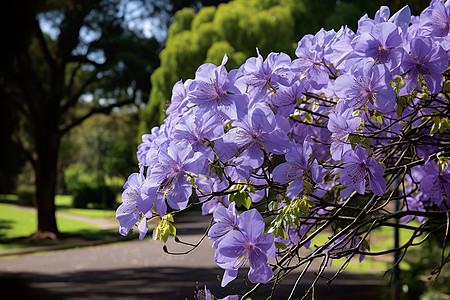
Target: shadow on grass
[5, 225]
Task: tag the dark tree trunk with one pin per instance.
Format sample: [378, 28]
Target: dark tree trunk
[46, 177]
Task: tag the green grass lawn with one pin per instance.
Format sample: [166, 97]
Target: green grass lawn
[64, 204]
[16, 223]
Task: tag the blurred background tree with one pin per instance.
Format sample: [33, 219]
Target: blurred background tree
[64, 62]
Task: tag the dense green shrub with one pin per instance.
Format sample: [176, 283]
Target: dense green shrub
[100, 196]
[424, 279]
[88, 190]
[26, 194]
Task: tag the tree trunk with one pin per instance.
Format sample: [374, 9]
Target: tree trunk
[46, 175]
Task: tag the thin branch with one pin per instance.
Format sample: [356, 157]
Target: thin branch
[99, 110]
[74, 98]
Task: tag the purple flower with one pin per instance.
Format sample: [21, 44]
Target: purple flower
[247, 243]
[128, 213]
[298, 163]
[357, 166]
[414, 204]
[205, 294]
[382, 43]
[341, 125]
[285, 99]
[211, 206]
[179, 93]
[402, 18]
[168, 176]
[258, 130]
[428, 59]
[310, 61]
[433, 183]
[226, 220]
[367, 85]
[214, 89]
[259, 73]
[435, 20]
[199, 129]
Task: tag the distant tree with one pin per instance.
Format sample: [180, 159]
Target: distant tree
[66, 61]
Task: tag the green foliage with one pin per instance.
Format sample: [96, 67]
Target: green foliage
[21, 223]
[440, 124]
[183, 20]
[290, 215]
[424, 279]
[87, 190]
[242, 195]
[165, 228]
[100, 196]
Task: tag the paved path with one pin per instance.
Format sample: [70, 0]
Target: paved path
[141, 270]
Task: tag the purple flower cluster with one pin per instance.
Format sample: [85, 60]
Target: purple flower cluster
[280, 129]
[241, 238]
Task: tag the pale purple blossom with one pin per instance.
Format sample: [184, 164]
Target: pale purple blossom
[128, 213]
[357, 167]
[214, 89]
[433, 183]
[341, 124]
[428, 59]
[175, 161]
[298, 164]
[249, 243]
[368, 85]
[256, 132]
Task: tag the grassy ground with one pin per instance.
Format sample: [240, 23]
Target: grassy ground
[64, 204]
[16, 224]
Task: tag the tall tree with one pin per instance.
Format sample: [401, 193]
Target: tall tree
[66, 61]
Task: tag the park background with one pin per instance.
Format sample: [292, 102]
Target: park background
[81, 81]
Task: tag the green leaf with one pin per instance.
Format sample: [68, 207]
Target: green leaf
[436, 125]
[247, 201]
[307, 117]
[378, 117]
[280, 245]
[402, 103]
[354, 139]
[242, 196]
[238, 198]
[442, 163]
[445, 123]
[165, 228]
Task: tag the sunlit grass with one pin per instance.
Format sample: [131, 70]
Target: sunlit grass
[17, 223]
[64, 204]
